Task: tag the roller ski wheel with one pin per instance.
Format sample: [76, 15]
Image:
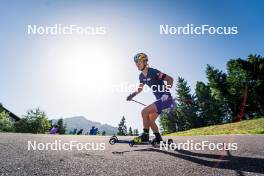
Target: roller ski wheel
[131, 143]
[169, 141]
[155, 143]
[113, 140]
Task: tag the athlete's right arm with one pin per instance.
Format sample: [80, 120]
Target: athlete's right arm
[139, 89]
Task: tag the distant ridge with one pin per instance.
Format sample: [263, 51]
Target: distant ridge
[80, 122]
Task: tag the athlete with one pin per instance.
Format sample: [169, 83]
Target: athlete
[156, 81]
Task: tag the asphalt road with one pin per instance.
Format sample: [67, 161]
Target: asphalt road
[103, 159]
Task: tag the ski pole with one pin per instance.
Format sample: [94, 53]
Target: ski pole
[138, 102]
[187, 101]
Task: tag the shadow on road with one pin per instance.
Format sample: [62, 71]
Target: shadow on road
[236, 163]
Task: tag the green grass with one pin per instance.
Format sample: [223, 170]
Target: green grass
[254, 126]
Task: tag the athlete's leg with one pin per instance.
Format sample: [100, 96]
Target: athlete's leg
[144, 137]
[150, 115]
[152, 111]
[146, 121]
[153, 125]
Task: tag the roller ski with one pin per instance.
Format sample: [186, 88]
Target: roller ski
[138, 141]
[143, 139]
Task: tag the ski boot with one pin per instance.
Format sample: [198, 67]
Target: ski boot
[144, 137]
[157, 140]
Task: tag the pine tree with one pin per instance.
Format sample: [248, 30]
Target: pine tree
[219, 90]
[61, 126]
[208, 112]
[122, 128]
[130, 132]
[186, 108]
[136, 133]
[168, 121]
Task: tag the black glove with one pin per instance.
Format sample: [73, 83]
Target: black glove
[129, 98]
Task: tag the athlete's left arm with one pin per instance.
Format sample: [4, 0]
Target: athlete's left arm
[165, 77]
[169, 81]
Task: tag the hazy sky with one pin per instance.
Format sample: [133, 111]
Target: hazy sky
[72, 75]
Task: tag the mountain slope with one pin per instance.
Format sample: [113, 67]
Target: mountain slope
[81, 122]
